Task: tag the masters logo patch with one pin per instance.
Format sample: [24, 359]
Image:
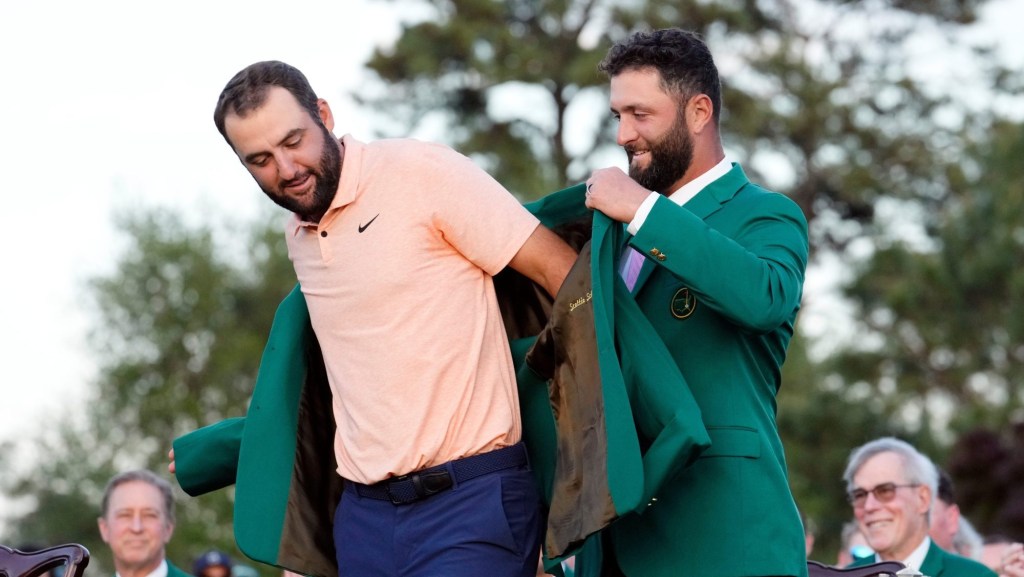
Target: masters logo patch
[683, 303]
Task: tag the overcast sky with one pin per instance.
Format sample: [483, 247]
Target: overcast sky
[106, 105]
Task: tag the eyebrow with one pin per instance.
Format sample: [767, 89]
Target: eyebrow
[133, 509]
[629, 108]
[288, 136]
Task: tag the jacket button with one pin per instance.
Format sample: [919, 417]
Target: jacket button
[661, 256]
[655, 252]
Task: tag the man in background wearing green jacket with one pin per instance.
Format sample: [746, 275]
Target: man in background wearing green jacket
[891, 487]
[137, 521]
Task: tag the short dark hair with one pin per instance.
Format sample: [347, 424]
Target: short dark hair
[146, 477]
[681, 58]
[247, 90]
[945, 492]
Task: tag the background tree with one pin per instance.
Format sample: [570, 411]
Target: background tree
[181, 323]
[812, 106]
[942, 322]
[986, 465]
[942, 325]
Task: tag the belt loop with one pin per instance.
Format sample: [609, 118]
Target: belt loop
[451, 473]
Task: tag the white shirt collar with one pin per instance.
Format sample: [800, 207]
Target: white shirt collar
[689, 190]
[916, 557]
[160, 571]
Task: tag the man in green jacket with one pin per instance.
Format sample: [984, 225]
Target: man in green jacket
[891, 487]
[137, 521]
[716, 264]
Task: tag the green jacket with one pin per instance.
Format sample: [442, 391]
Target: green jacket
[941, 563]
[721, 286]
[625, 370]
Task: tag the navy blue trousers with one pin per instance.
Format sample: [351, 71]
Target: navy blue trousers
[490, 525]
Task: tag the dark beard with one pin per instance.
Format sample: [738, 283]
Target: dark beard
[327, 175]
[670, 159]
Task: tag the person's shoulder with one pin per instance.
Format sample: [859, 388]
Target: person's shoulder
[173, 571]
[958, 566]
[757, 199]
[410, 149]
[754, 190]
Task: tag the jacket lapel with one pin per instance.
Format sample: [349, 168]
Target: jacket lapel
[706, 203]
[932, 564]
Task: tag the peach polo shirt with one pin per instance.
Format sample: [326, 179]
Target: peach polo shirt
[397, 279]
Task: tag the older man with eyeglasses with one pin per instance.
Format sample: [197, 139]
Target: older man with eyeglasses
[891, 487]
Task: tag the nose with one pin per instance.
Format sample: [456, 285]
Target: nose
[626, 132]
[136, 522]
[286, 167]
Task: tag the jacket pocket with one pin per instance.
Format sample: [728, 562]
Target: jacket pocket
[733, 441]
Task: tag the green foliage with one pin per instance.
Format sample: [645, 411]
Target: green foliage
[180, 326]
[821, 421]
[943, 325]
[941, 339]
[453, 65]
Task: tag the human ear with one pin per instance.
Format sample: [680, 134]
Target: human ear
[699, 112]
[326, 116]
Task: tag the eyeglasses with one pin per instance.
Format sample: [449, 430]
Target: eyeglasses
[884, 493]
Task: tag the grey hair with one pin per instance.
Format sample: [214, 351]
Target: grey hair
[144, 476]
[916, 466]
[968, 541]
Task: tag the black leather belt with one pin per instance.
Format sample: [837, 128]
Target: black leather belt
[422, 484]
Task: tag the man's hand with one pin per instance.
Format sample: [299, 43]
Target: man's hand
[170, 466]
[614, 193]
[1013, 561]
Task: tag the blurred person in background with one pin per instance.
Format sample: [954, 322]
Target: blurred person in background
[137, 521]
[212, 563]
[891, 487]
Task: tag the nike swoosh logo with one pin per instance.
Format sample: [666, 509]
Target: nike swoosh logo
[363, 227]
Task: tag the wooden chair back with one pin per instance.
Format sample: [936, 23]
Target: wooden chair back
[15, 563]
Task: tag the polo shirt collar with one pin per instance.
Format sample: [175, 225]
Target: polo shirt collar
[348, 184]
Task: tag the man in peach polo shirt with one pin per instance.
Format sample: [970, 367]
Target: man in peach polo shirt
[395, 244]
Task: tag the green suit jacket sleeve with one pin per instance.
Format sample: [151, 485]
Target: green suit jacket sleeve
[766, 254]
[207, 459]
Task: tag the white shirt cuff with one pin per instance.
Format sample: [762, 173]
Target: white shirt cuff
[642, 212]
